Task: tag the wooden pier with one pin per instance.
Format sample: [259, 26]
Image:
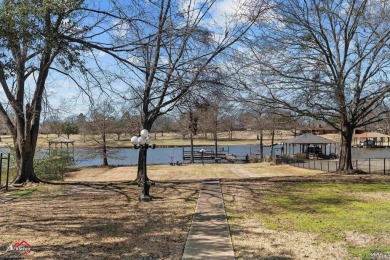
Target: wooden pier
[207, 154]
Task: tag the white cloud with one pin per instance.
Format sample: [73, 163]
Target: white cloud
[225, 11]
[51, 91]
[94, 53]
[227, 7]
[133, 59]
[224, 15]
[121, 28]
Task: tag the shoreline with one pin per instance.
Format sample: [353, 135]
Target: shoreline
[157, 146]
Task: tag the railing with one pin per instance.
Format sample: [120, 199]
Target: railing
[207, 154]
[378, 166]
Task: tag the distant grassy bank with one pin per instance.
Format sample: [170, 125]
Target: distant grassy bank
[163, 140]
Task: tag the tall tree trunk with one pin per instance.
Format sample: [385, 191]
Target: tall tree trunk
[272, 143]
[261, 144]
[192, 147]
[345, 160]
[25, 166]
[25, 139]
[105, 160]
[216, 141]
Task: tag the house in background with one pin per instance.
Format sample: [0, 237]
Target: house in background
[320, 130]
[324, 129]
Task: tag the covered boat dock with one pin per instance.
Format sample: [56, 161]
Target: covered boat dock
[379, 139]
[308, 145]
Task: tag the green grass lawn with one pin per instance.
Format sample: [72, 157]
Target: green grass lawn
[329, 210]
[334, 212]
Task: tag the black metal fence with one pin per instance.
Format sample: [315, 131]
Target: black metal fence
[6, 164]
[378, 166]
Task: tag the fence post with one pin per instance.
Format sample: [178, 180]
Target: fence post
[6, 182]
[384, 166]
[369, 166]
[314, 164]
[356, 163]
[321, 165]
[1, 166]
[328, 166]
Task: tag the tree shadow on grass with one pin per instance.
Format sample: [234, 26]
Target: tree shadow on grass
[102, 222]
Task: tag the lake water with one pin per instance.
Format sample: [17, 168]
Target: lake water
[129, 156]
[126, 156]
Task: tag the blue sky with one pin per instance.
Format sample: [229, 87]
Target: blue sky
[61, 89]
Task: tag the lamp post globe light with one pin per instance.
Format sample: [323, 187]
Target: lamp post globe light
[142, 142]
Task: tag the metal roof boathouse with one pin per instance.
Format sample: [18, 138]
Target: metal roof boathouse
[305, 143]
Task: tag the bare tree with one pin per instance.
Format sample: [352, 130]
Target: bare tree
[38, 38]
[81, 122]
[174, 42]
[163, 124]
[192, 109]
[217, 112]
[102, 123]
[327, 60]
[132, 120]
[254, 118]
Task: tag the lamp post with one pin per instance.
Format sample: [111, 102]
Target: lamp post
[142, 142]
[202, 151]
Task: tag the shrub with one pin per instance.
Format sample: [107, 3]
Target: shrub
[53, 167]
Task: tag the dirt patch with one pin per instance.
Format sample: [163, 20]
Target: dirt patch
[102, 174]
[253, 241]
[377, 196]
[99, 221]
[359, 239]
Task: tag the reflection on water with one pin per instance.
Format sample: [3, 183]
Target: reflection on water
[370, 153]
[129, 156]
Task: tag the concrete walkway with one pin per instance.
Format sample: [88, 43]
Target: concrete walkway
[209, 236]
